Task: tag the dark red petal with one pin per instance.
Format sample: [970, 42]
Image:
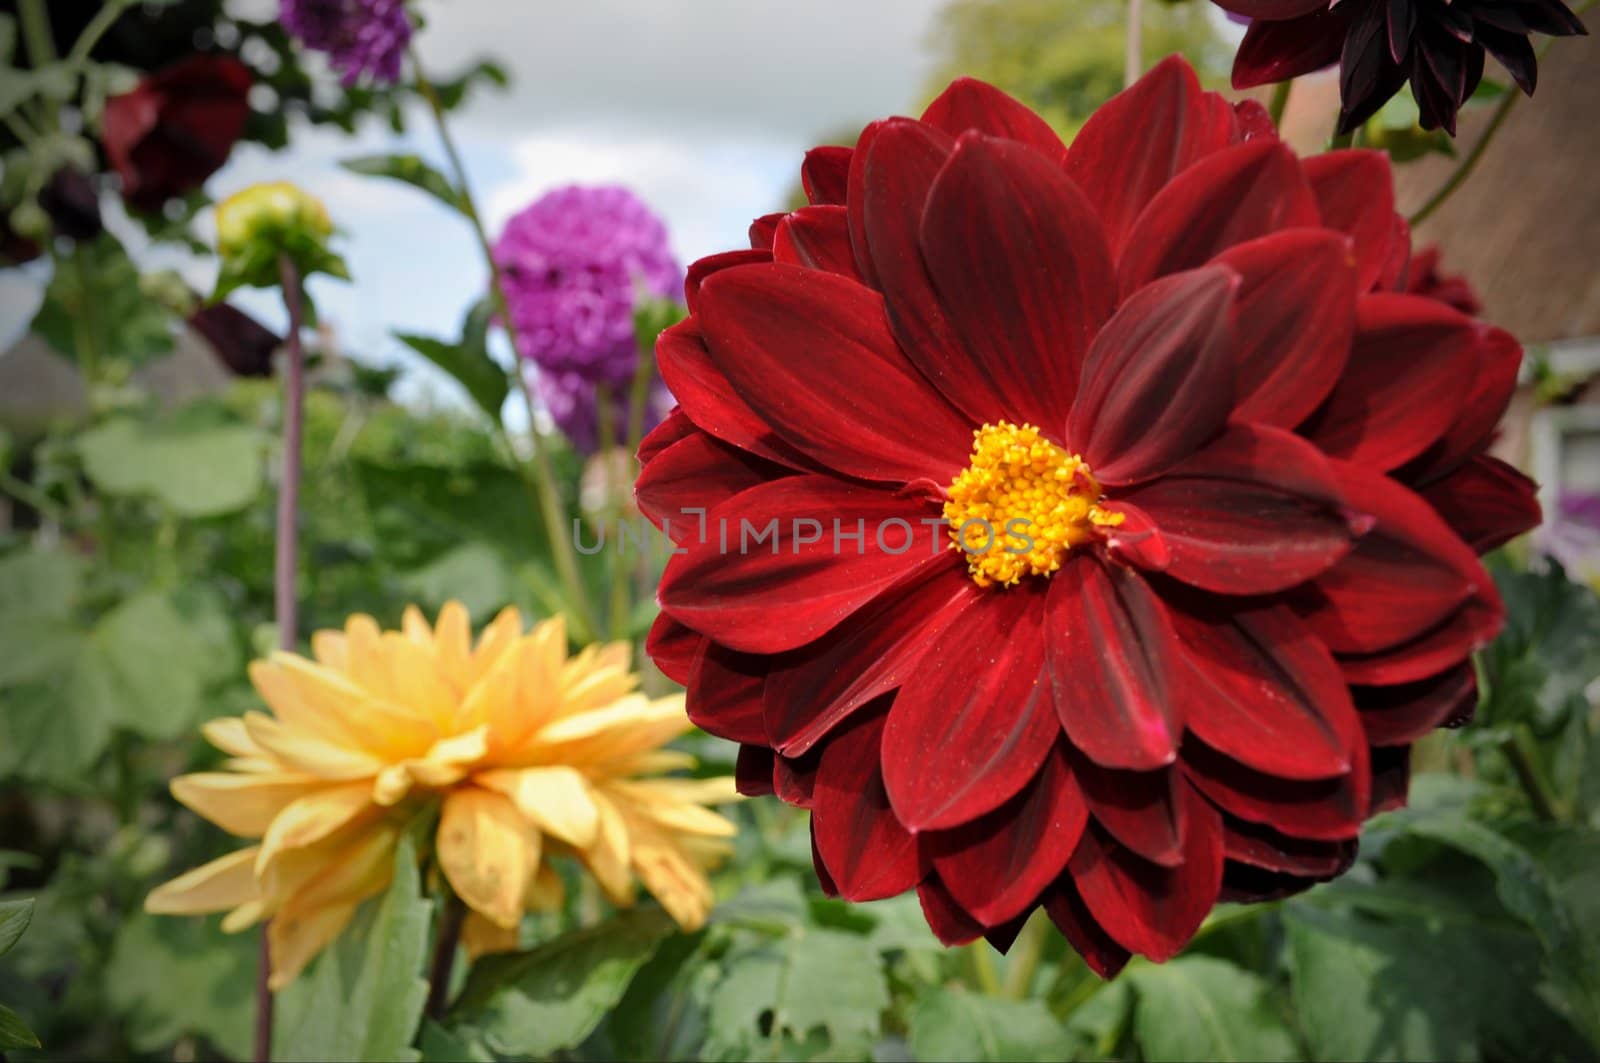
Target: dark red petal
[1319, 809]
[825, 174]
[1237, 194]
[1071, 916]
[785, 591]
[693, 475]
[1158, 383]
[702, 268]
[1136, 540]
[1269, 850]
[817, 238]
[1247, 884]
[724, 694]
[1258, 686]
[1399, 715]
[1255, 121]
[1296, 316]
[1142, 138]
[1396, 267]
[1275, 51]
[949, 922]
[810, 691]
[673, 647]
[868, 853]
[1272, 10]
[763, 229]
[1109, 661]
[1405, 575]
[1256, 512]
[1149, 909]
[673, 427]
[1020, 263]
[812, 354]
[708, 399]
[1355, 193]
[1468, 629]
[795, 781]
[824, 880]
[1406, 347]
[1499, 359]
[1002, 937]
[1391, 778]
[1144, 810]
[971, 104]
[969, 729]
[752, 771]
[997, 866]
[1486, 502]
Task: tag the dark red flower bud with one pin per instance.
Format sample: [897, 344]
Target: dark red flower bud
[72, 203]
[242, 343]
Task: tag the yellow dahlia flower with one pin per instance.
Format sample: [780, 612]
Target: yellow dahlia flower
[527, 752]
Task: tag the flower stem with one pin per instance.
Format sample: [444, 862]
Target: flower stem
[1133, 54]
[1280, 101]
[617, 610]
[541, 472]
[1025, 956]
[288, 546]
[983, 968]
[1528, 774]
[1342, 140]
[445, 940]
[103, 20]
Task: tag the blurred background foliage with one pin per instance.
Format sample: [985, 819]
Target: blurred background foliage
[135, 582]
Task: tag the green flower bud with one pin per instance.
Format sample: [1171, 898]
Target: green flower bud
[259, 226]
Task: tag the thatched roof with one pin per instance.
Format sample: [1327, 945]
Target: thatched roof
[1525, 228]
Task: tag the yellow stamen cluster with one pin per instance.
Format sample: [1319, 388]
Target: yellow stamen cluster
[1021, 505]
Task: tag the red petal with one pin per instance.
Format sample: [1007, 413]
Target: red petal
[868, 853]
[1355, 193]
[1235, 195]
[824, 880]
[673, 427]
[1144, 810]
[708, 399]
[1296, 316]
[702, 268]
[724, 694]
[693, 475]
[1486, 502]
[1391, 778]
[949, 922]
[1142, 138]
[1148, 909]
[1319, 809]
[997, 866]
[1022, 271]
[795, 781]
[1399, 715]
[752, 771]
[1277, 51]
[673, 647]
[763, 229]
[763, 600]
[1110, 670]
[971, 104]
[1405, 575]
[1254, 513]
[1071, 916]
[810, 691]
[1465, 631]
[1136, 540]
[1499, 358]
[969, 729]
[1272, 10]
[1259, 687]
[812, 354]
[1265, 848]
[1405, 347]
[1158, 383]
[1255, 121]
[825, 174]
[817, 238]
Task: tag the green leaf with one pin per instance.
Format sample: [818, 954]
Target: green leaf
[467, 360]
[412, 170]
[439, 1045]
[1205, 1008]
[551, 997]
[205, 986]
[196, 470]
[1549, 652]
[474, 573]
[14, 919]
[14, 1033]
[38, 590]
[94, 308]
[363, 998]
[954, 1024]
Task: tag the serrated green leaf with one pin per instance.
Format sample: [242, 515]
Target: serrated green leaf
[551, 997]
[14, 1033]
[14, 919]
[439, 1045]
[1202, 1007]
[195, 470]
[412, 170]
[953, 1024]
[363, 998]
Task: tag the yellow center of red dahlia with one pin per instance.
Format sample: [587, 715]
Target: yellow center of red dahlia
[1021, 505]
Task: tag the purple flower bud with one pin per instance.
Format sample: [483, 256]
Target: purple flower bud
[362, 38]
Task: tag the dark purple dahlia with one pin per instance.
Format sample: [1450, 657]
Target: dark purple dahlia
[362, 38]
[1437, 45]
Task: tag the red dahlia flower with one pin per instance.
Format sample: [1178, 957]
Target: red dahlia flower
[176, 127]
[1251, 484]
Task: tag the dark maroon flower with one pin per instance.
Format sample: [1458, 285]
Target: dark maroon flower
[1424, 277]
[241, 343]
[1436, 45]
[73, 205]
[176, 127]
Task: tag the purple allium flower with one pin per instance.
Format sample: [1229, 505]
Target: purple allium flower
[575, 264]
[572, 402]
[363, 38]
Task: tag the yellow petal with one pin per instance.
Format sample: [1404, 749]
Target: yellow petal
[331, 650]
[623, 729]
[485, 849]
[307, 753]
[415, 626]
[608, 859]
[228, 734]
[367, 663]
[313, 817]
[480, 937]
[242, 804]
[501, 634]
[452, 637]
[670, 803]
[391, 785]
[244, 917]
[350, 870]
[515, 697]
[675, 881]
[554, 799]
[224, 883]
[297, 935]
[309, 698]
[418, 682]
[597, 676]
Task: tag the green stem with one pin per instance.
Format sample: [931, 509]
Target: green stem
[83, 322]
[638, 396]
[34, 22]
[1530, 777]
[983, 967]
[1469, 162]
[1342, 140]
[542, 473]
[31, 496]
[1280, 101]
[610, 511]
[103, 20]
[1025, 956]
